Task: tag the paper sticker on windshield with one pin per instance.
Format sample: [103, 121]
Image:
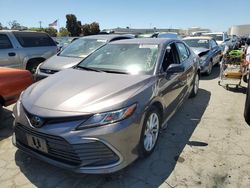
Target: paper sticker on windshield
[151, 46]
[101, 40]
[202, 41]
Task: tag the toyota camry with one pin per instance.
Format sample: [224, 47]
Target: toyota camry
[101, 115]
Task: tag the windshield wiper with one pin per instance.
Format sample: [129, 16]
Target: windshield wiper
[88, 69]
[114, 71]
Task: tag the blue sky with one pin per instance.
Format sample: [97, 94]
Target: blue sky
[217, 15]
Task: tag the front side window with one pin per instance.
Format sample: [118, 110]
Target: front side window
[5, 42]
[123, 58]
[82, 47]
[33, 39]
[183, 52]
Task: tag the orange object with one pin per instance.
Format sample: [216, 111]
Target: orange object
[233, 74]
[12, 83]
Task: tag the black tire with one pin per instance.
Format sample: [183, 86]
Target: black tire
[143, 153]
[1, 114]
[194, 92]
[245, 78]
[247, 105]
[32, 65]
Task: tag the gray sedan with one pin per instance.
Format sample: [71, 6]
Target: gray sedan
[74, 53]
[99, 116]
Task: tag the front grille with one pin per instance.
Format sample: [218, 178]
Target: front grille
[54, 120]
[48, 71]
[92, 154]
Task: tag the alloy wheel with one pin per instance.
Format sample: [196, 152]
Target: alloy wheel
[196, 84]
[151, 132]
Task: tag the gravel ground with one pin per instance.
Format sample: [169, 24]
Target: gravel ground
[206, 144]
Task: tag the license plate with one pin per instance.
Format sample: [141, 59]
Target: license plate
[37, 143]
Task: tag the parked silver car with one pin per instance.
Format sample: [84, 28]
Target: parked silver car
[101, 115]
[25, 49]
[75, 53]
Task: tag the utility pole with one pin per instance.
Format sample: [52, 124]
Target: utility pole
[40, 24]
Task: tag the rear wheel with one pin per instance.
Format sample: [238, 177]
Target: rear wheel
[195, 86]
[33, 64]
[150, 132]
[247, 105]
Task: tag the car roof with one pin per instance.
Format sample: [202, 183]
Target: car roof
[107, 37]
[199, 37]
[156, 41]
[213, 33]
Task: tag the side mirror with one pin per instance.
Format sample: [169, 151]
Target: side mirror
[175, 68]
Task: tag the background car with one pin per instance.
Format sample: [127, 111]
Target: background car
[171, 35]
[63, 42]
[84, 117]
[75, 53]
[208, 51]
[12, 83]
[25, 49]
[219, 37]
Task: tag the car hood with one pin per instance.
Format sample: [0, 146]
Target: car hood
[81, 92]
[200, 51]
[57, 62]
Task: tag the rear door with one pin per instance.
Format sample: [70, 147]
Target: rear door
[8, 56]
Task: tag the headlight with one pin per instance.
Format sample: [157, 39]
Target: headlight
[108, 117]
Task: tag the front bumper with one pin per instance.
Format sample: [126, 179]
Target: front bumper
[99, 150]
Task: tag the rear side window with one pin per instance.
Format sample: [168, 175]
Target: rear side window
[32, 39]
[183, 51]
[5, 42]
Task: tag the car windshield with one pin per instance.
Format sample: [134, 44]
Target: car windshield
[217, 37]
[197, 43]
[82, 47]
[123, 58]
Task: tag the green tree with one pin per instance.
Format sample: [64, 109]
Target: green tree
[1, 27]
[51, 31]
[72, 25]
[94, 28]
[14, 25]
[63, 32]
[86, 29]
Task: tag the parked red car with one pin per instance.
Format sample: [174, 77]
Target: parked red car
[12, 83]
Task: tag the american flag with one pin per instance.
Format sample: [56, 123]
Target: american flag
[53, 24]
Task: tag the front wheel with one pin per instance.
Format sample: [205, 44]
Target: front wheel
[209, 70]
[150, 132]
[195, 86]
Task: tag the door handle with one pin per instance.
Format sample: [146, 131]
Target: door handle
[12, 54]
